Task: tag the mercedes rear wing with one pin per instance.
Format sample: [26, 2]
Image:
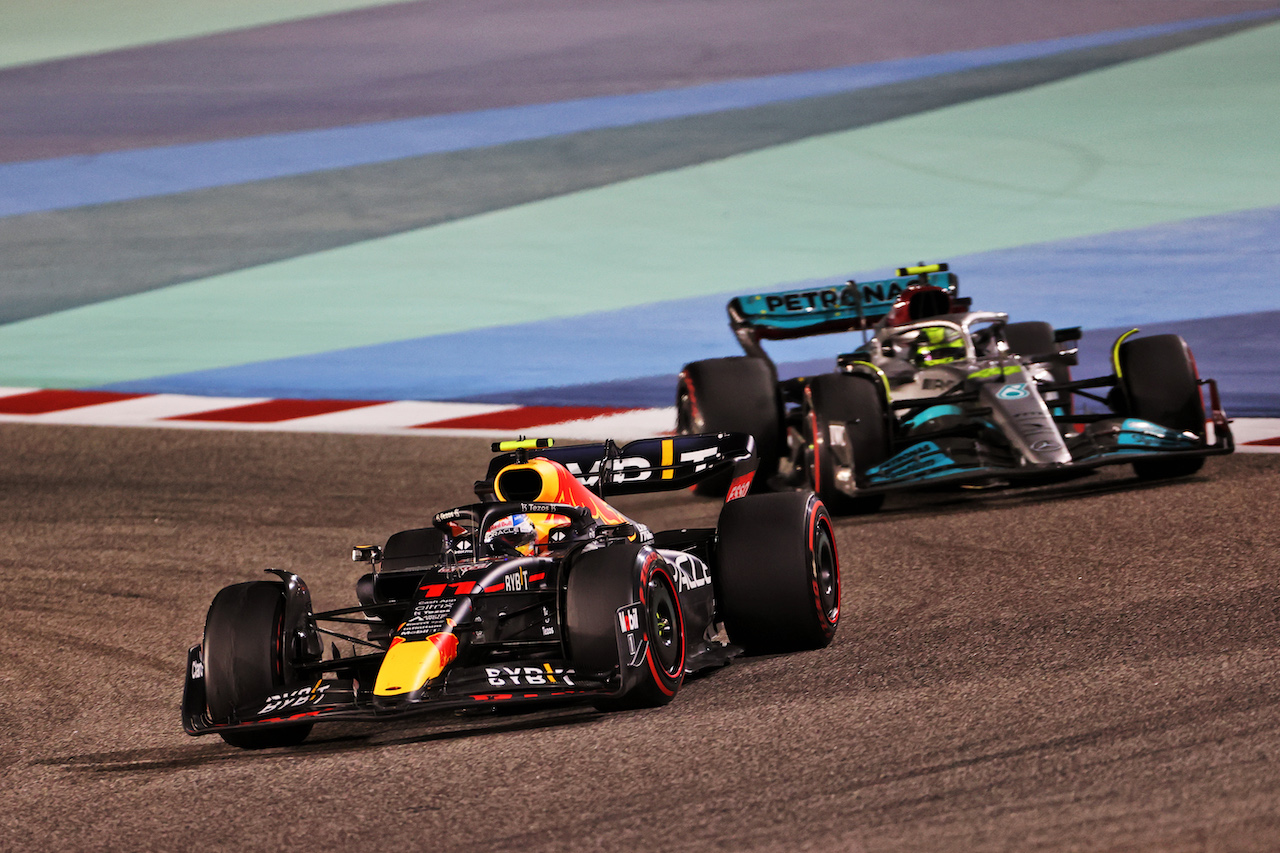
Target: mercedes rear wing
[845, 307]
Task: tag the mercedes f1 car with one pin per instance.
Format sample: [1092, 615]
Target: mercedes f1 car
[937, 393]
[540, 593]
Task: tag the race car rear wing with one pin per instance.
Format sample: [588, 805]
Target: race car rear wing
[845, 307]
[645, 465]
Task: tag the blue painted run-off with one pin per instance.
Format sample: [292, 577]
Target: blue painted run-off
[68, 182]
[1164, 274]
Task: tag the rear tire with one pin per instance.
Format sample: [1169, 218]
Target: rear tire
[1159, 384]
[1036, 337]
[246, 659]
[738, 394]
[853, 404]
[603, 581]
[778, 574]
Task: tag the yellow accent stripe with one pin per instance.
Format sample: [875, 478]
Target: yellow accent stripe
[1115, 350]
[926, 268]
[668, 456]
[525, 444]
[995, 371]
[884, 378]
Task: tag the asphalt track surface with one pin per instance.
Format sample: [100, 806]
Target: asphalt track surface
[1089, 665]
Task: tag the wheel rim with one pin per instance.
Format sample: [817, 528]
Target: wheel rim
[826, 572]
[664, 627]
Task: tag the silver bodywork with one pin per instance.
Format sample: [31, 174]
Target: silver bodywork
[947, 410]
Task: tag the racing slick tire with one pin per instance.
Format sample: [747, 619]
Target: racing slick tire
[245, 659]
[738, 394]
[1158, 383]
[601, 584]
[778, 575]
[1033, 338]
[850, 404]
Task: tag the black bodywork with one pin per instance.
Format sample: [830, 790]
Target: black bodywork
[505, 610]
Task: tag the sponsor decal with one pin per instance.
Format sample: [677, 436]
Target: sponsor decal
[197, 669]
[699, 455]
[876, 292]
[638, 466]
[691, 573]
[589, 478]
[809, 300]
[529, 676]
[830, 298]
[428, 617]
[635, 469]
[1041, 446]
[294, 698]
[632, 633]
[740, 487]
[517, 581]
[1014, 391]
[450, 515]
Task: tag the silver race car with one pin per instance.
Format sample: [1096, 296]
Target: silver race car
[938, 393]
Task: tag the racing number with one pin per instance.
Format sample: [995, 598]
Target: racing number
[435, 590]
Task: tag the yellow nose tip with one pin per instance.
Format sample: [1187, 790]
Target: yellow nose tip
[409, 665]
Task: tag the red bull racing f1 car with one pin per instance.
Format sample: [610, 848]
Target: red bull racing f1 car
[540, 593]
[938, 393]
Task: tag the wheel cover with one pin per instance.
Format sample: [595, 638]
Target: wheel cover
[665, 628]
[826, 571]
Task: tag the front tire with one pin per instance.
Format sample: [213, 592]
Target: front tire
[847, 434]
[1159, 384]
[246, 659]
[603, 582]
[738, 394]
[778, 573]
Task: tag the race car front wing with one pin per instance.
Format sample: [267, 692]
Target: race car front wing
[508, 683]
[1110, 440]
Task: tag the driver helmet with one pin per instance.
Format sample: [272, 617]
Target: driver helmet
[513, 534]
[937, 345]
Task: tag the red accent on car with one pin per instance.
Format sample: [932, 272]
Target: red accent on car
[901, 312]
[739, 487]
